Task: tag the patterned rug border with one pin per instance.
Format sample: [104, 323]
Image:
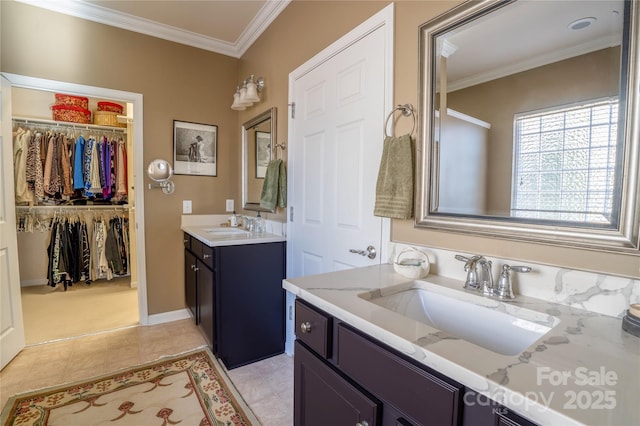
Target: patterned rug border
[228, 383]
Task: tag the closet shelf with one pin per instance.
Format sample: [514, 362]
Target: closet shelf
[45, 122]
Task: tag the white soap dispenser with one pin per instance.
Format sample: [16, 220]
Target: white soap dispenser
[233, 220]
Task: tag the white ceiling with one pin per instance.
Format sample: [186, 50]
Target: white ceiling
[228, 27]
[529, 34]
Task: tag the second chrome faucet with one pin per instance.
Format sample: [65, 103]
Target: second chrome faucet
[480, 277]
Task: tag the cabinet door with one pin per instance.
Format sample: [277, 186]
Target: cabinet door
[419, 394]
[323, 397]
[190, 289]
[206, 303]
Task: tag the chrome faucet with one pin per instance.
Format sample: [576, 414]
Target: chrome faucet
[480, 277]
[504, 289]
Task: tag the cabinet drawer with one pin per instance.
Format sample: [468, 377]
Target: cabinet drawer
[186, 239]
[203, 252]
[313, 328]
[323, 397]
[425, 398]
[208, 257]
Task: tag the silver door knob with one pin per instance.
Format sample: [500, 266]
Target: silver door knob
[305, 327]
[370, 252]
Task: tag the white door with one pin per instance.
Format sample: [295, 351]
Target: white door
[11, 324]
[335, 145]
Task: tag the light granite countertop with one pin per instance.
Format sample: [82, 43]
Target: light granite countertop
[215, 236]
[585, 370]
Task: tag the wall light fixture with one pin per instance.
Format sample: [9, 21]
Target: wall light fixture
[248, 93]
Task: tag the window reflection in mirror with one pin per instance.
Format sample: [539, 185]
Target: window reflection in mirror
[527, 109]
[257, 136]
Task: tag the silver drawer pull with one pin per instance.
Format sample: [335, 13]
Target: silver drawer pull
[206, 256]
[362, 423]
[196, 269]
[185, 241]
[305, 327]
[193, 266]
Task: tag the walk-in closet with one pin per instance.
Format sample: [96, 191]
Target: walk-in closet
[73, 177]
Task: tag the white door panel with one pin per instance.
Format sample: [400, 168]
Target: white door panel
[335, 148]
[12, 339]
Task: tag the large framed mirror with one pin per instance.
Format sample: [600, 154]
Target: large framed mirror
[530, 121]
[258, 149]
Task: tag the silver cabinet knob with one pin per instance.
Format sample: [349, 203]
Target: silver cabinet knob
[193, 267]
[206, 256]
[185, 241]
[362, 423]
[196, 269]
[305, 327]
[370, 252]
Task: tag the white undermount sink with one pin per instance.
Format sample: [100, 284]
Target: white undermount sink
[226, 231]
[500, 327]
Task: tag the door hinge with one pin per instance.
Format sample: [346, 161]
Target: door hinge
[293, 109]
[291, 214]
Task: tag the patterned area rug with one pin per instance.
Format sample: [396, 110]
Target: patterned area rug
[186, 389]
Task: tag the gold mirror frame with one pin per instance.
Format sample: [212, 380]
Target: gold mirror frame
[626, 238]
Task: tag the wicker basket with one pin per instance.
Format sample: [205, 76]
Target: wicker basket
[71, 114]
[106, 118]
[70, 100]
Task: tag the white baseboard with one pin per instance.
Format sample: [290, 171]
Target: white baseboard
[180, 314]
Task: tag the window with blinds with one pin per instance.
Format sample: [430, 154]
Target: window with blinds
[564, 163]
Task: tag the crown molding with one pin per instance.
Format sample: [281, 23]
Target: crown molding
[91, 12]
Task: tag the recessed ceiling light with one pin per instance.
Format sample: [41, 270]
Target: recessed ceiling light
[581, 23]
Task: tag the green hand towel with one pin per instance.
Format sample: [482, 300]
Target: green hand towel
[394, 188]
[274, 188]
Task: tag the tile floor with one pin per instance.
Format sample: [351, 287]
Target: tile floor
[267, 386]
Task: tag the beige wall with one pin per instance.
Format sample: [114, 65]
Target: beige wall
[302, 30]
[180, 82]
[176, 81]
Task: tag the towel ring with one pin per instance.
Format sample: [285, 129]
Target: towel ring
[407, 110]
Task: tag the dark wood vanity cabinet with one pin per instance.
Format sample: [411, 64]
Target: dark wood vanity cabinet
[344, 377]
[235, 296]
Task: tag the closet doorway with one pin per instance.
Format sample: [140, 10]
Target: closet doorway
[113, 297]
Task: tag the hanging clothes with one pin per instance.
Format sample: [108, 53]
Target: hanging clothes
[34, 172]
[121, 173]
[20, 154]
[78, 157]
[77, 255]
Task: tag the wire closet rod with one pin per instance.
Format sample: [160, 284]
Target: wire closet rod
[54, 123]
[81, 207]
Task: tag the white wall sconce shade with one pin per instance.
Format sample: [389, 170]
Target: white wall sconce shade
[247, 94]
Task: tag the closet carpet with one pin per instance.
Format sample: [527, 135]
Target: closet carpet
[52, 313]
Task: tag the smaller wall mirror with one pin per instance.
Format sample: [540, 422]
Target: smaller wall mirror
[161, 171]
[258, 150]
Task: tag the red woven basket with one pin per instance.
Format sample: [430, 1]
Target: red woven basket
[110, 106]
[70, 100]
[71, 114]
